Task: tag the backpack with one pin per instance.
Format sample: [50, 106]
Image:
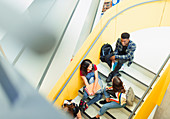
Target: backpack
[106, 49]
[130, 96]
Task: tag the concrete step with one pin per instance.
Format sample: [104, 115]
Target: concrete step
[143, 70]
[135, 72]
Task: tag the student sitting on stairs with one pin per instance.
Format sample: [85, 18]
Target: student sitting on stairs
[110, 102]
[123, 52]
[89, 74]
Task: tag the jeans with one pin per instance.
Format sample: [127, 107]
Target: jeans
[96, 98]
[91, 78]
[109, 105]
[107, 95]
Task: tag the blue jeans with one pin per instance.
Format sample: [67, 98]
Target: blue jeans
[91, 78]
[96, 98]
[109, 105]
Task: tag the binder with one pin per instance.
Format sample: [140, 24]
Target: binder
[89, 88]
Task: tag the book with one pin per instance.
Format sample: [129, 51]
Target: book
[89, 88]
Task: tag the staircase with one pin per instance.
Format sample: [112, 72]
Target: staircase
[135, 76]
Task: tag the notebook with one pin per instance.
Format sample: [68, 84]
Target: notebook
[90, 87]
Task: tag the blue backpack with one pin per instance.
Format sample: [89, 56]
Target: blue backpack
[106, 49]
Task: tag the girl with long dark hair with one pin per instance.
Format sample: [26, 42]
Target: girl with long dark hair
[89, 74]
[118, 102]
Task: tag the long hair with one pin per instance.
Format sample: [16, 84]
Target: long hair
[118, 85]
[84, 65]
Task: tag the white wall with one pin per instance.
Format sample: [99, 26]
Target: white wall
[77, 31]
[32, 64]
[10, 46]
[153, 47]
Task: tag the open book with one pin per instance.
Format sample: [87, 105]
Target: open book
[89, 88]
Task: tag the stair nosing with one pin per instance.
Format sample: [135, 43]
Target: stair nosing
[144, 68]
[134, 78]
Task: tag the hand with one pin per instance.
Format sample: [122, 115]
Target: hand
[93, 91]
[92, 94]
[107, 87]
[107, 99]
[112, 58]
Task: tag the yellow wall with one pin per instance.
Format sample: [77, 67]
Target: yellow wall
[155, 97]
[127, 16]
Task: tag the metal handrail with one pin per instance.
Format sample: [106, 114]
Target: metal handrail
[146, 92]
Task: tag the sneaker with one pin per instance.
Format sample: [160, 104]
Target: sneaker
[109, 78]
[81, 103]
[118, 74]
[85, 106]
[103, 102]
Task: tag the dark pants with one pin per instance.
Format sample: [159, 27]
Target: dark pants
[116, 70]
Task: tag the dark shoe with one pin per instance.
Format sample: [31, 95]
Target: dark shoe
[109, 78]
[81, 103]
[83, 106]
[118, 74]
[103, 102]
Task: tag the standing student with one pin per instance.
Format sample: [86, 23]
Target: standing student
[110, 102]
[89, 74]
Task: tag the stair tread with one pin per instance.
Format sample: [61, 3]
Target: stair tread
[138, 91]
[103, 68]
[138, 75]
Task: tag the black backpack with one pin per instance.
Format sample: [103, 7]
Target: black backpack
[106, 49]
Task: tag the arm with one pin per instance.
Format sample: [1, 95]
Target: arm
[129, 53]
[85, 80]
[116, 49]
[109, 88]
[96, 80]
[79, 115]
